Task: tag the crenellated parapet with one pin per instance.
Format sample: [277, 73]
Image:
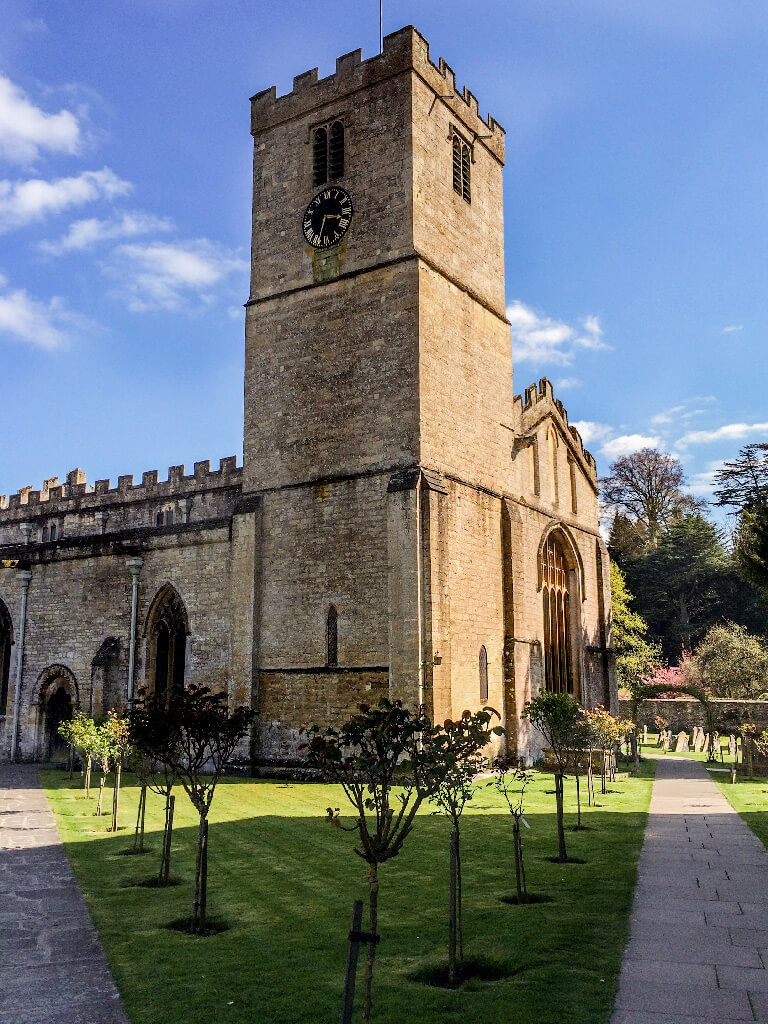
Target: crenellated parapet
[538, 401]
[86, 508]
[404, 50]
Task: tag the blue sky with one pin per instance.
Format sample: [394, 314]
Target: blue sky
[636, 214]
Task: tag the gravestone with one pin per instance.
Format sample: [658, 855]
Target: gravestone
[645, 734]
[732, 748]
[698, 743]
[681, 747]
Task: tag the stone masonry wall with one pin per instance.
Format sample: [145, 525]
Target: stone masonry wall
[682, 713]
[76, 603]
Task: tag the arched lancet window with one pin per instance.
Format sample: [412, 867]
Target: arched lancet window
[573, 479]
[461, 165]
[6, 642]
[53, 531]
[558, 667]
[483, 667]
[168, 641]
[553, 446]
[159, 519]
[45, 534]
[332, 637]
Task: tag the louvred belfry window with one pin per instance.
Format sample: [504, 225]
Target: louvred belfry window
[327, 153]
[461, 164]
[558, 667]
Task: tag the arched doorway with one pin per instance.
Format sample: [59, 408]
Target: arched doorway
[58, 710]
[58, 698]
[6, 642]
[167, 631]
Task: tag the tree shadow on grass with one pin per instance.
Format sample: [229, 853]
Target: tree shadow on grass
[284, 883]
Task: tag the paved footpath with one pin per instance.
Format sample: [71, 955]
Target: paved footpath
[698, 946]
[52, 967]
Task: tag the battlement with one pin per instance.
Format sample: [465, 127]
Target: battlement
[404, 50]
[77, 493]
[536, 397]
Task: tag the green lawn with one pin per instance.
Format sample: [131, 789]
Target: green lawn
[284, 881]
[750, 798]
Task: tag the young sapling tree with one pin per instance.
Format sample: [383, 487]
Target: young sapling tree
[383, 759]
[208, 733]
[511, 782]
[156, 740]
[558, 717]
[83, 733]
[457, 760]
[116, 729]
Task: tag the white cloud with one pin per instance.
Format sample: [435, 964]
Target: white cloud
[541, 339]
[566, 383]
[591, 431]
[159, 275]
[28, 320]
[667, 416]
[83, 234]
[23, 202]
[728, 432]
[730, 330]
[625, 444]
[25, 129]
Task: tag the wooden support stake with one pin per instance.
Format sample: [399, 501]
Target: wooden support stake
[352, 956]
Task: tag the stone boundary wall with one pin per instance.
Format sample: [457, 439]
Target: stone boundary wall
[685, 713]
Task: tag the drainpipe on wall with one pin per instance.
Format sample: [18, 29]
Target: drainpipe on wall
[134, 567]
[24, 576]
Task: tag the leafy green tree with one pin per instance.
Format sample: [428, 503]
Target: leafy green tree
[730, 662]
[628, 540]
[752, 546]
[637, 656]
[646, 488]
[676, 585]
[743, 485]
[559, 719]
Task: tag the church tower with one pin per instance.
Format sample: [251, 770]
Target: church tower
[380, 424]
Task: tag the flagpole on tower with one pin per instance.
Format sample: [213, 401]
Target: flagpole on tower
[381, 27]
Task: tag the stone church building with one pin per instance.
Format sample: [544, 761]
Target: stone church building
[402, 523]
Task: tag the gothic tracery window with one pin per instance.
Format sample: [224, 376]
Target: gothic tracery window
[168, 638]
[558, 667]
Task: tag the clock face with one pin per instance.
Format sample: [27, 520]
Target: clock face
[327, 217]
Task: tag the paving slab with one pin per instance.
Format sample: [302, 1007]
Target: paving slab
[697, 950]
[52, 966]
